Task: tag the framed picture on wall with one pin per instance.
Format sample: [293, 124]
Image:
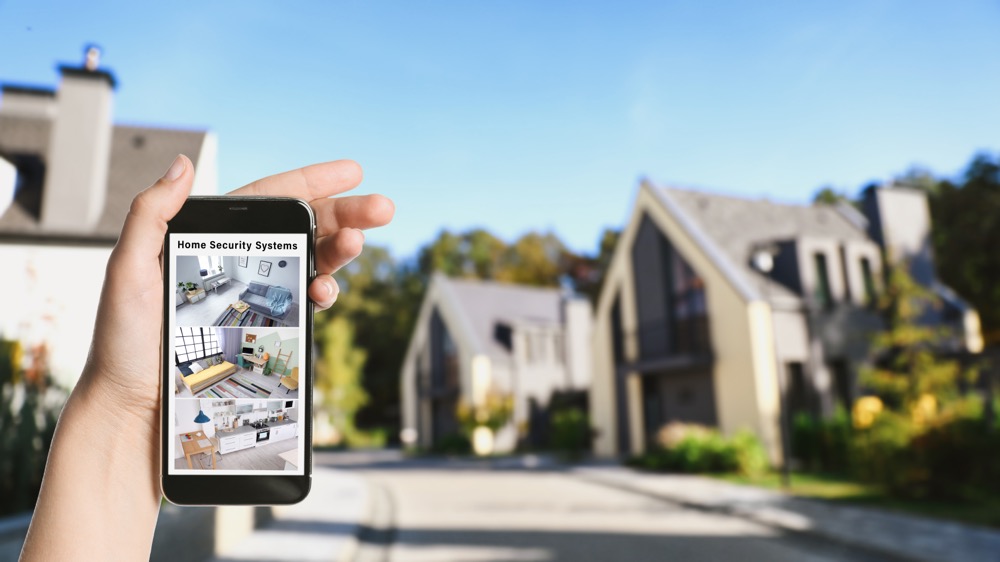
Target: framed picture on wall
[264, 269]
[243, 261]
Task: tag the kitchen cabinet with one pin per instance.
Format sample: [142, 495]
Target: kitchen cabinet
[238, 442]
[282, 432]
[229, 444]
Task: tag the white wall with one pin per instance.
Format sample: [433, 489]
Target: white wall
[287, 276]
[185, 411]
[51, 297]
[188, 270]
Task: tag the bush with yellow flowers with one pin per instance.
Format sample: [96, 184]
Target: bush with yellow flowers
[916, 432]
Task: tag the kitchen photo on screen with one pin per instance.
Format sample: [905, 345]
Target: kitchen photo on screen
[238, 291]
[236, 434]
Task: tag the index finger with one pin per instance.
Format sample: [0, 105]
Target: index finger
[317, 181]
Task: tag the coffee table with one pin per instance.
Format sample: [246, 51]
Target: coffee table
[241, 308]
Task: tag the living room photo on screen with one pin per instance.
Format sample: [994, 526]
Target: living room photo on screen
[238, 363]
[238, 291]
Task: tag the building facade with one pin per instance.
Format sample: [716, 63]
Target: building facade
[474, 338]
[67, 176]
[688, 329]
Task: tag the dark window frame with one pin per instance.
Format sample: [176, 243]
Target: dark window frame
[868, 279]
[191, 343]
[822, 292]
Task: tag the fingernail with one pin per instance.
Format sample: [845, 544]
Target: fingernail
[329, 289]
[175, 170]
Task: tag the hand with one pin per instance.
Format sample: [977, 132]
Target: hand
[133, 287]
[101, 487]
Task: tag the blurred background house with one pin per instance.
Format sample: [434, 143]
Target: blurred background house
[690, 329]
[71, 176]
[476, 342]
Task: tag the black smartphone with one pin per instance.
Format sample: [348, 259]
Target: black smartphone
[237, 352]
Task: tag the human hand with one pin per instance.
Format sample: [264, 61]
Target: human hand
[100, 496]
[133, 286]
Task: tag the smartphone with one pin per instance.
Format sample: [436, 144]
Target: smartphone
[237, 372]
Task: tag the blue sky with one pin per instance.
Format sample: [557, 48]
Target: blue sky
[517, 115]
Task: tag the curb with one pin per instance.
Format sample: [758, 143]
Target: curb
[787, 524]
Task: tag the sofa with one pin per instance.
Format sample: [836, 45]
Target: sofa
[271, 300]
[208, 376]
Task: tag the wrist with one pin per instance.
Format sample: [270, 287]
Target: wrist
[106, 400]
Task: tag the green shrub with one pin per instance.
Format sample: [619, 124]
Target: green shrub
[454, 444]
[751, 459]
[697, 449]
[956, 458]
[571, 432]
[822, 445]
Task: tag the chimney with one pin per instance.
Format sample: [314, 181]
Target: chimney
[899, 219]
[577, 324]
[76, 181]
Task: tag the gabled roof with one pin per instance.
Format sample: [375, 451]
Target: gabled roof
[139, 155]
[484, 304]
[733, 225]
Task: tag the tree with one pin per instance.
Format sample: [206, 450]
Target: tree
[906, 365]
[929, 440]
[829, 196]
[535, 259]
[966, 218]
[338, 376]
[380, 299]
[30, 403]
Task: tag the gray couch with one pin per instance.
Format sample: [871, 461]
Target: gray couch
[271, 300]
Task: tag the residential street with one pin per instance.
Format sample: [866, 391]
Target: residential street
[435, 510]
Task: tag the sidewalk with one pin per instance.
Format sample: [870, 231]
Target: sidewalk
[324, 527]
[898, 535]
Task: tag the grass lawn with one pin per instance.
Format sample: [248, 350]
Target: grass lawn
[983, 511]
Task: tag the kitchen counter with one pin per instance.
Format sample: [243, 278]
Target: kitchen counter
[238, 431]
[281, 423]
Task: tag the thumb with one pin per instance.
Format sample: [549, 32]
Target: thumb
[146, 224]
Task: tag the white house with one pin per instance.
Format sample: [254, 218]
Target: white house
[476, 337]
[68, 175]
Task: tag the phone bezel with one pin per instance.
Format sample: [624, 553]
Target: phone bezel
[268, 215]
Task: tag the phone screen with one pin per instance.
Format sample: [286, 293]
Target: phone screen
[236, 356]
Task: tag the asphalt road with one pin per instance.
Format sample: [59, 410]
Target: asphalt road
[435, 511]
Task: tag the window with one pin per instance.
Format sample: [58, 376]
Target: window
[866, 275]
[191, 344]
[444, 355]
[535, 343]
[670, 297]
[822, 292]
[690, 313]
[211, 264]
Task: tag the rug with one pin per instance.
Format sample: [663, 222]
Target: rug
[237, 386]
[232, 318]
